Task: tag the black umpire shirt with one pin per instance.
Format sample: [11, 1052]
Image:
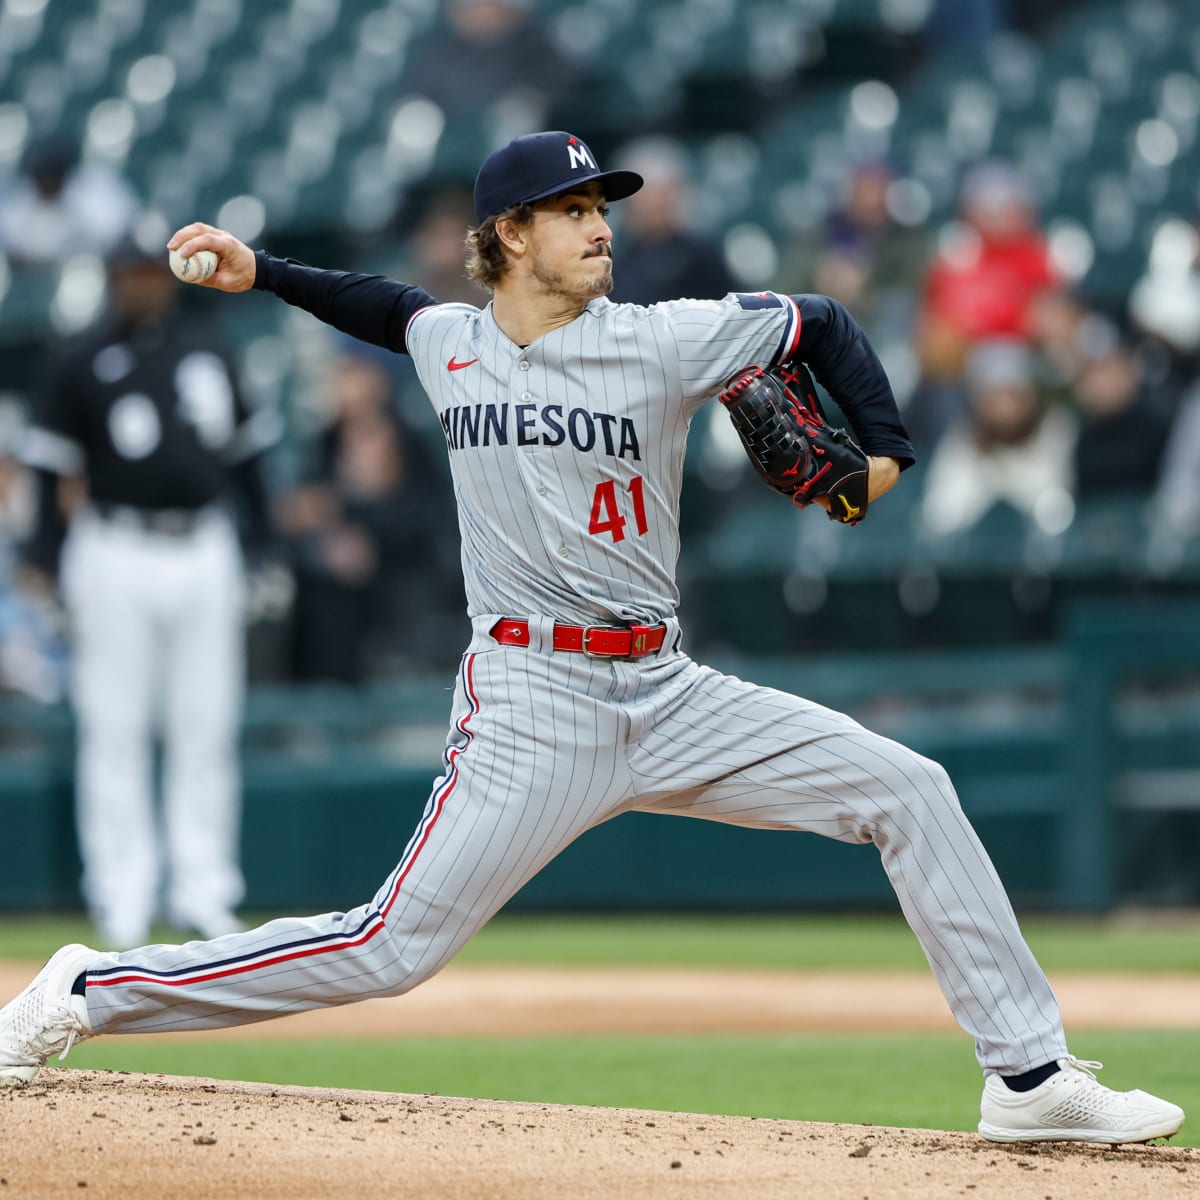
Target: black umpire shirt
[152, 415]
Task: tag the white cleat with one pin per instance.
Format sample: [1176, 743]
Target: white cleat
[1072, 1106]
[45, 1019]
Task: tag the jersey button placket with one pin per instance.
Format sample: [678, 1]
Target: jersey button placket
[529, 465]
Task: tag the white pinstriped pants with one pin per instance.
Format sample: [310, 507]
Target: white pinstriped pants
[545, 745]
[157, 647]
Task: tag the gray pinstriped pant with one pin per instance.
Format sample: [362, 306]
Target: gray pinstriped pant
[544, 746]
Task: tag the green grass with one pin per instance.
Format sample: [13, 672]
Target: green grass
[818, 942]
[928, 1081]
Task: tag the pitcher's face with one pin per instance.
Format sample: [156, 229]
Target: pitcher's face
[571, 244]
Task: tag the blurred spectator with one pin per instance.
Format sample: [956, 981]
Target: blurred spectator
[60, 206]
[1057, 321]
[373, 539]
[139, 435]
[657, 256]
[982, 284]
[1007, 446]
[435, 251]
[983, 281]
[1123, 417]
[1164, 304]
[490, 55]
[864, 257]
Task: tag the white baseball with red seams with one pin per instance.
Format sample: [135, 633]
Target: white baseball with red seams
[197, 268]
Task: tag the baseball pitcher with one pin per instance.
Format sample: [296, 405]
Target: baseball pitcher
[565, 418]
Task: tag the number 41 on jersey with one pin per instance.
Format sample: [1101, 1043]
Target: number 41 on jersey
[606, 508]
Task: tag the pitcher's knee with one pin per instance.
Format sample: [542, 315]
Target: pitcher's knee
[393, 968]
[404, 955]
[922, 791]
[401, 975]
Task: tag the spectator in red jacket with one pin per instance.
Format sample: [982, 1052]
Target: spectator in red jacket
[981, 285]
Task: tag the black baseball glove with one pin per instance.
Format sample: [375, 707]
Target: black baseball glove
[792, 446]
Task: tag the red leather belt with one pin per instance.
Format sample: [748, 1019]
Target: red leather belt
[600, 641]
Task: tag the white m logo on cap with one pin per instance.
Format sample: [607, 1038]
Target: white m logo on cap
[580, 155]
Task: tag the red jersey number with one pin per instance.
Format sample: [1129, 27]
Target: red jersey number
[606, 510]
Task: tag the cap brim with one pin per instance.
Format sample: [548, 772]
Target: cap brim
[616, 184]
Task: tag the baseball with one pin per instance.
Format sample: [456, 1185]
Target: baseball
[196, 269]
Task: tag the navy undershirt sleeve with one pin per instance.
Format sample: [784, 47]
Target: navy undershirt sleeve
[837, 351]
[371, 308]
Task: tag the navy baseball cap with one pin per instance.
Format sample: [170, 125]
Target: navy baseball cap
[539, 165]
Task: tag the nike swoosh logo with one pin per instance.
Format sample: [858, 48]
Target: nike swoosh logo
[454, 365]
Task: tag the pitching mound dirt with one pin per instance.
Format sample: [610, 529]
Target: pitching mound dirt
[137, 1137]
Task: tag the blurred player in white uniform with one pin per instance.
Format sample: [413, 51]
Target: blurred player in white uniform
[142, 421]
[565, 417]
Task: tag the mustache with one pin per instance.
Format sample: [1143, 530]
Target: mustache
[604, 251]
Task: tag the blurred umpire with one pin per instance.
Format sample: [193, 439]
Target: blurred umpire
[139, 439]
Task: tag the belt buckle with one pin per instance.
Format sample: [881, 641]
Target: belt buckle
[588, 630]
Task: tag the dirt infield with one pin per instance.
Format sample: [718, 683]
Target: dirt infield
[134, 1137]
[137, 1137]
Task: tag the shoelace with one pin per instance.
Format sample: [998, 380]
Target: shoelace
[58, 1021]
[1085, 1066]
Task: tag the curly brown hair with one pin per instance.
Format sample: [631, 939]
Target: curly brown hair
[486, 260]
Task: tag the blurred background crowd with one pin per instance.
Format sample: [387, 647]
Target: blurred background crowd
[1003, 192]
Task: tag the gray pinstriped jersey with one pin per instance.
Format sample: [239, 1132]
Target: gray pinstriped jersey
[567, 455]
